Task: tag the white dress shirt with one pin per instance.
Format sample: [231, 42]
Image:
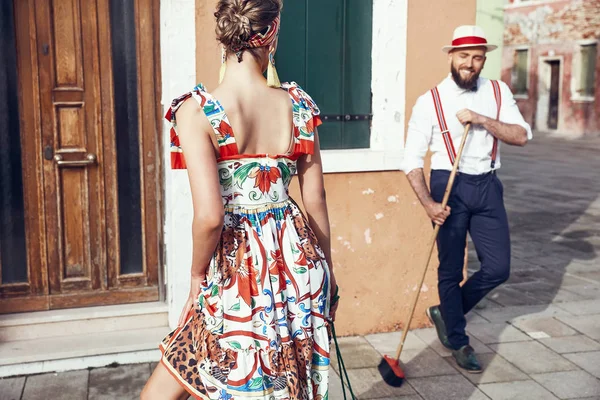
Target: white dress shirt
[424, 131]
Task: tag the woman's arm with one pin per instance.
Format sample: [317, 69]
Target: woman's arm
[195, 136]
[312, 189]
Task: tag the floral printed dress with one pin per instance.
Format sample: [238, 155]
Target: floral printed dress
[259, 329]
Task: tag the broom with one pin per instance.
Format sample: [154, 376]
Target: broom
[389, 368]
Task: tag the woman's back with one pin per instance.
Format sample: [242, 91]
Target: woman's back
[260, 117]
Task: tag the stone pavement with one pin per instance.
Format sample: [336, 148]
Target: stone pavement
[538, 335]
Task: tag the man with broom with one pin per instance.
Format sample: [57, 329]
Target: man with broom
[475, 204]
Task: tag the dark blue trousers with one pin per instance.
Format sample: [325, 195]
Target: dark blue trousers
[477, 207]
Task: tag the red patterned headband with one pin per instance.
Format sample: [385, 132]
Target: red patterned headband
[264, 39]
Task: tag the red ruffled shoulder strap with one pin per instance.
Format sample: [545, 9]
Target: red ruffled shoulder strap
[306, 118]
[216, 117]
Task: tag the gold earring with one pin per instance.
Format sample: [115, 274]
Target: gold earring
[223, 64]
[272, 77]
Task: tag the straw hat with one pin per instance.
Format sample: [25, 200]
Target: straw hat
[468, 36]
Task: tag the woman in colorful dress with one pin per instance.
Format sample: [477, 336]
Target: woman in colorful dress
[262, 296]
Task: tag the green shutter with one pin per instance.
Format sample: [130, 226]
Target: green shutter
[521, 71]
[324, 64]
[588, 70]
[357, 72]
[326, 48]
[291, 49]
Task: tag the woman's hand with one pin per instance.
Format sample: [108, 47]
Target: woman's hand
[195, 286]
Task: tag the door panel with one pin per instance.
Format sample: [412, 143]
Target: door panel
[69, 93]
[92, 202]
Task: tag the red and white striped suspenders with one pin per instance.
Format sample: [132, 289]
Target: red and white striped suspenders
[439, 110]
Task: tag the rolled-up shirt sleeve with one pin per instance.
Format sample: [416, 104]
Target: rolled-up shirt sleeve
[418, 136]
[510, 113]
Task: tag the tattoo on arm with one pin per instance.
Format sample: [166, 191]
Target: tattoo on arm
[416, 178]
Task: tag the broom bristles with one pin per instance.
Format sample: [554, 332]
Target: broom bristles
[390, 371]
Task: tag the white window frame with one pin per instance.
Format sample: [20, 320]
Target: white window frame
[576, 68]
[388, 88]
[524, 96]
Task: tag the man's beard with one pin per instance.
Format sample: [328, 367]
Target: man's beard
[466, 84]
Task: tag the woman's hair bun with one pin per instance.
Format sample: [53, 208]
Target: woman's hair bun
[238, 20]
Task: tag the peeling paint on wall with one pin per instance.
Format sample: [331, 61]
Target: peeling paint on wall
[553, 23]
[368, 239]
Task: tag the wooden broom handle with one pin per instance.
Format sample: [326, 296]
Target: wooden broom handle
[433, 238]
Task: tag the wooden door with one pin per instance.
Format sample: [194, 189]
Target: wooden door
[91, 155]
[554, 94]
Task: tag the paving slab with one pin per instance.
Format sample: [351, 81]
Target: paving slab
[575, 267]
[357, 352]
[529, 390]
[589, 361]
[367, 384]
[71, 385]
[518, 312]
[588, 291]
[409, 397]
[11, 388]
[152, 367]
[568, 385]
[549, 326]
[507, 296]
[588, 398]
[474, 318]
[387, 343]
[559, 297]
[335, 385]
[123, 382]
[429, 336]
[448, 387]
[585, 307]
[592, 275]
[588, 324]
[497, 333]
[495, 369]
[425, 362]
[532, 357]
[571, 344]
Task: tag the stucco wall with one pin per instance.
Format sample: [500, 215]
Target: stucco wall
[430, 27]
[554, 30]
[379, 231]
[490, 16]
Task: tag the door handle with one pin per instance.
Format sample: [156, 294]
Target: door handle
[88, 160]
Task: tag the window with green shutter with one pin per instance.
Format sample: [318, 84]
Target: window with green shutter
[587, 70]
[520, 71]
[325, 46]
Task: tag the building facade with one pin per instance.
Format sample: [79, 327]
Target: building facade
[95, 232]
[552, 63]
